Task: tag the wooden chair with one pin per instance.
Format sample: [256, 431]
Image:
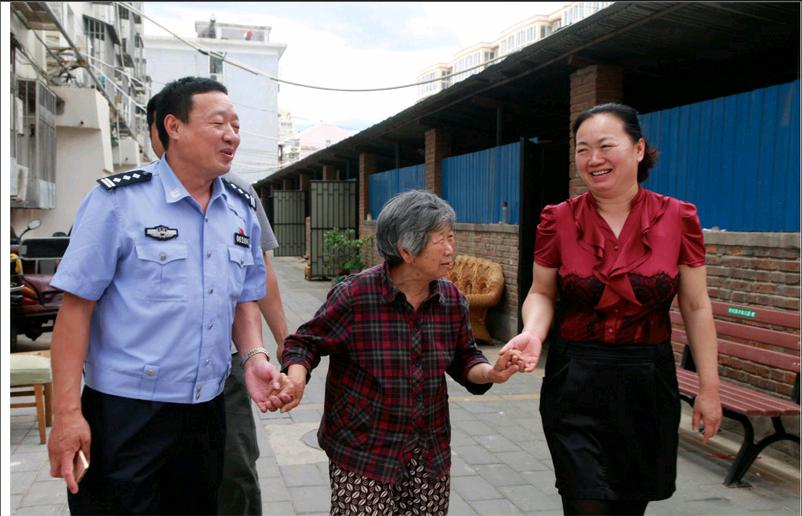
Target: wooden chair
[30, 376]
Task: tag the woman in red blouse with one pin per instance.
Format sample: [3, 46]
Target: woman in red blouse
[607, 266]
[392, 332]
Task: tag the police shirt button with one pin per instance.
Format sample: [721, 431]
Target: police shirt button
[210, 326]
[211, 291]
[149, 372]
[162, 257]
[208, 254]
[207, 361]
[206, 219]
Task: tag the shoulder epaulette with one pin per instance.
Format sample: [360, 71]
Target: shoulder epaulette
[242, 193]
[124, 179]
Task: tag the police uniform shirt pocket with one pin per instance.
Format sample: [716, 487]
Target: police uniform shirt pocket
[163, 270]
[239, 259]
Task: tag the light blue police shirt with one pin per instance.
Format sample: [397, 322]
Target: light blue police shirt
[167, 279]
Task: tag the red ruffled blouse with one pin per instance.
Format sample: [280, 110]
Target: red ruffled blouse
[618, 290]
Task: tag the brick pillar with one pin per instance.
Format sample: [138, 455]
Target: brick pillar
[329, 173]
[303, 182]
[438, 146]
[286, 184]
[367, 166]
[592, 85]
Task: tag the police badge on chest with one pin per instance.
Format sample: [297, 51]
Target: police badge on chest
[161, 232]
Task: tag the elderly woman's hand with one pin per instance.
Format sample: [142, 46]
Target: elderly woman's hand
[293, 386]
[529, 347]
[507, 365]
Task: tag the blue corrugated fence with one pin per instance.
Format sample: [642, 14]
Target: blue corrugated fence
[385, 185]
[477, 184]
[736, 158]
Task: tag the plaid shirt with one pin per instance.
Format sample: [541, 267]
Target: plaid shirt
[385, 390]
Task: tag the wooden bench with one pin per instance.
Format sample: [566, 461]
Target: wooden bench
[775, 345]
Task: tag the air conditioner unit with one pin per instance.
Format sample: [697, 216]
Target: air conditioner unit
[22, 183]
[127, 152]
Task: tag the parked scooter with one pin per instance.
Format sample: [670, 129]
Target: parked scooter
[34, 303]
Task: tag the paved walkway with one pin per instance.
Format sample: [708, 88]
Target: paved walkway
[501, 465]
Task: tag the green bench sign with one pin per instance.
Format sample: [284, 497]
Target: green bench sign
[741, 312]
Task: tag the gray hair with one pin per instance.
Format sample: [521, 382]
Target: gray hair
[407, 219]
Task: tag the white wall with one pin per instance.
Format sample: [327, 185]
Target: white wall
[255, 97]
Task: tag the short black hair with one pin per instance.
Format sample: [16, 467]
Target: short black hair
[176, 99]
[150, 110]
[629, 117]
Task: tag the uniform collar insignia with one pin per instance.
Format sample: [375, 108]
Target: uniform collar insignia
[124, 179]
[242, 193]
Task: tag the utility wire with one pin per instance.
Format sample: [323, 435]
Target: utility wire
[221, 56]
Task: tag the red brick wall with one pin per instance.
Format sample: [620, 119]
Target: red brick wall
[438, 146]
[592, 85]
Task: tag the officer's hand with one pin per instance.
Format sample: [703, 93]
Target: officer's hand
[262, 380]
[70, 433]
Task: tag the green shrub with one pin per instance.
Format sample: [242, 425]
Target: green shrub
[343, 251]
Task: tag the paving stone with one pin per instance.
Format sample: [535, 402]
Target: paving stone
[497, 443]
[311, 499]
[499, 474]
[39, 510]
[273, 490]
[520, 461]
[14, 501]
[474, 488]
[299, 475]
[29, 461]
[529, 499]
[457, 506]
[21, 481]
[277, 508]
[459, 468]
[474, 455]
[474, 428]
[52, 492]
[461, 438]
[500, 507]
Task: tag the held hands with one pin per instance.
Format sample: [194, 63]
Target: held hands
[507, 365]
[266, 385]
[70, 433]
[707, 409]
[529, 347]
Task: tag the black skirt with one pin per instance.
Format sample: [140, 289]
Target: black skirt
[611, 416]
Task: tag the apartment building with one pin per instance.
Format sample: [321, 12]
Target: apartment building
[78, 88]
[476, 57]
[254, 96]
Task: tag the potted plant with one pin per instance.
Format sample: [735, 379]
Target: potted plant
[344, 251]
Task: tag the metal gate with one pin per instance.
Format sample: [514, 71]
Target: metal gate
[333, 205]
[289, 224]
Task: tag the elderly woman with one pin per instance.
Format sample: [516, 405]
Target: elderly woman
[391, 332]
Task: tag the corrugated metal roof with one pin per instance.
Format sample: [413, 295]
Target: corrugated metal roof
[672, 53]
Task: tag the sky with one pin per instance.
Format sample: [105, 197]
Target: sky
[354, 45]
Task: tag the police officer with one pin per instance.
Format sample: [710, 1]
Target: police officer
[240, 492]
[163, 270]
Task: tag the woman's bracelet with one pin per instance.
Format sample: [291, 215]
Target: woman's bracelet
[250, 354]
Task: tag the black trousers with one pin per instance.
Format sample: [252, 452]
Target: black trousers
[151, 457]
[239, 491]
